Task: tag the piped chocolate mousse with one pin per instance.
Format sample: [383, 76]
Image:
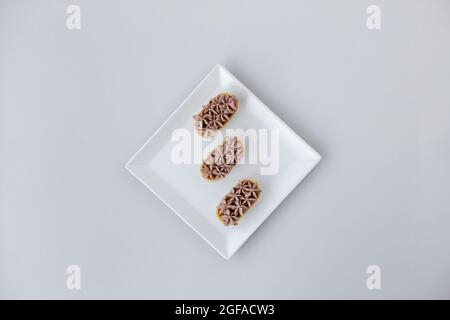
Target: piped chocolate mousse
[238, 202]
[215, 114]
[222, 159]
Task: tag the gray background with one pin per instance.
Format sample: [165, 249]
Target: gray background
[75, 105]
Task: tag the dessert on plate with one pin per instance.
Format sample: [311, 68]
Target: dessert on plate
[222, 159]
[238, 202]
[216, 114]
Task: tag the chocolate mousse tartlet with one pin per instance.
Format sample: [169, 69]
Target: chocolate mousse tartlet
[238, 201]
[222, 159]
[215, 114]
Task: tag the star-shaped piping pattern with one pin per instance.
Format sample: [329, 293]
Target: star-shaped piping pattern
[238, 201]
[215, 114]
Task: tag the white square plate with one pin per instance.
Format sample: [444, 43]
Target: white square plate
[193, 199]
